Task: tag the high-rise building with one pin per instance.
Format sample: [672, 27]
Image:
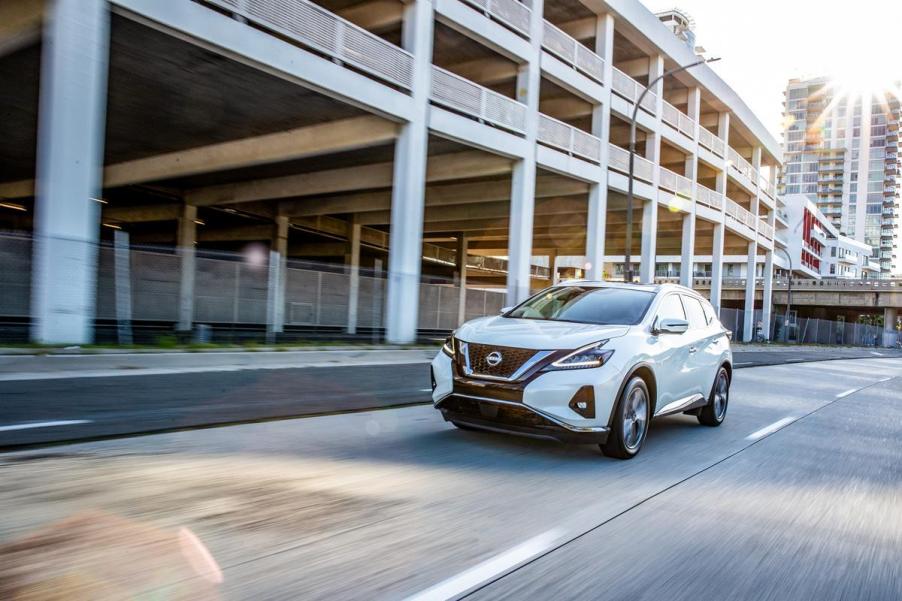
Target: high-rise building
[841, 150]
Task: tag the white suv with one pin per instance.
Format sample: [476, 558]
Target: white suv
[587, 362]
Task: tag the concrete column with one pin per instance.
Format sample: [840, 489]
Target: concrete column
[749, 316]
[278, 271]
[187, 239]
[768, 296]
[601, 127]
[409, 185]
[71, 121]
[717, 265]
[552, 267]
[523, 177]
[354, 230]
[687, 259]
[461, 258]
[653, 154]
[890, 333]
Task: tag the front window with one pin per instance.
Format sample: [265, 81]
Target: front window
[581, 304]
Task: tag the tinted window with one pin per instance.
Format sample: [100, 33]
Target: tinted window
[709, 312]
[696, 313]
[671, 308]
[606, 306]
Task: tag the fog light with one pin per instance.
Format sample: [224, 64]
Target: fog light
[583, 402]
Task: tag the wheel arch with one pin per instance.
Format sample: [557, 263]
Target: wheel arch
[644, 371]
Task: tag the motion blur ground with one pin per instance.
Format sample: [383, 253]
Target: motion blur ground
[796, 492]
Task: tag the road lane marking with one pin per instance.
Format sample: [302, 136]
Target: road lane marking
[64, 422]
[490, 569]
[425, 390]
[770, 429]
[846, 393]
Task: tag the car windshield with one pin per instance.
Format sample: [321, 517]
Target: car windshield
[604, 306]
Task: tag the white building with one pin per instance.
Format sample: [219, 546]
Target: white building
[497, 129]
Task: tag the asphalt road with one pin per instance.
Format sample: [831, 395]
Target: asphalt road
[94, 407]
[796, 496]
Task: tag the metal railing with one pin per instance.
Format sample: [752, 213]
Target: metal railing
[740, 215]
[674, 182]
[741, 165]
[455, 92]
[710, 141]
[765, 229]
[678, 120]
[709, 197]
[630, 89]
[572, 52]
[618, 160]
[510, 13]
[571, 140]
[326, 32]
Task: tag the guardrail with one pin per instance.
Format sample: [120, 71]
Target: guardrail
[678, 120]
[571, 140]
[740, 215]
[711, 142]
[326, 32]
[709, 197]
[572, 52]
[741, 165]
[630, 89]
[618, 160]
[510, 13]
[765, 229]
[674, 182]
[455, 92]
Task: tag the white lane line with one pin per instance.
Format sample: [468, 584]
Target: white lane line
[770, 429]
[64, 422]
[490, 569]
[846, 393]
[425, 390]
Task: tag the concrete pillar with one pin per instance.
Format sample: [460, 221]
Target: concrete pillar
[409, 185]
[749, 315]
[717, 266]
[890, 333]
[187, 239]
[523, 176]
[71, 121]
[354, 230]
[768, 296]
[552, 267]
[687, 257]
[461, 258]
[601, 127]
[277, 274]
[653, 154]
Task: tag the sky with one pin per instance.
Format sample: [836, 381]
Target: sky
[764, 43]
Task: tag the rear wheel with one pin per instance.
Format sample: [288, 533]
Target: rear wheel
[715, 411]
[631, 419]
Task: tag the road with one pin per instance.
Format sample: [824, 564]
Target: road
[796, 496]
[186, 391]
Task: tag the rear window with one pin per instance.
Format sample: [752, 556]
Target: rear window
[696, 313]
[581, 304]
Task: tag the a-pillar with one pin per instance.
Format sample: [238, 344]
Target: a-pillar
[354, 231]
[767, 297]
[187, 239]
[601, 127]
[409, 183]
[687, 258]
[71, 126]
[461, 260]
[890, 333]
[720, 186]
[523, 176]
[277, 274]
[748, 330]
[653, 154]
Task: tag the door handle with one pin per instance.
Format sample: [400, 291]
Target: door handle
[693, 349]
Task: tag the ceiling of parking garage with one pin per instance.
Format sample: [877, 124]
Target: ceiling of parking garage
[18, 112]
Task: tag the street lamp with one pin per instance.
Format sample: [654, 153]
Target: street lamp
[628, 265]
[788, 296]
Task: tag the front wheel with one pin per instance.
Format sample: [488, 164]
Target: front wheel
[715, 411]
[630, 421]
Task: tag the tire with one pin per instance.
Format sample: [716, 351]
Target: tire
[631, 418]
[715, 411]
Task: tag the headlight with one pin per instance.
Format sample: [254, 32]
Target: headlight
[592, 355]
[448, 347]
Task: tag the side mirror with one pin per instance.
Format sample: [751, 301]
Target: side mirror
[505, 310]
[670, 326]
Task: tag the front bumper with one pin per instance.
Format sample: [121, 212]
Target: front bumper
[538, 406]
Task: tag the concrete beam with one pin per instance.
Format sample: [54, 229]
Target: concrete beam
[323, 138]
[20, 24]
[483, 210]
[376, 175]
[143, 213]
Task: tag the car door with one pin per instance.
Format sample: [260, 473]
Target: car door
[703, 354]
[671, 355]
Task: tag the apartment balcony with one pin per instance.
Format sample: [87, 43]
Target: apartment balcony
[819, 235]
[888, 224]
[566, 138]
[572, 52]
[892, 136]
[477, 102]
[678, 120]
[711, 142]
[629, 89]
[511, 14]
[889, 190]
[849, 259]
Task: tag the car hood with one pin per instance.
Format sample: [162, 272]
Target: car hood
[535, 333]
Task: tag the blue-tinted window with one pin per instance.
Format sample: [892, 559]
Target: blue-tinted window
[606, 306]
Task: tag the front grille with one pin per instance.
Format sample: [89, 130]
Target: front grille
[511, 359]
[490, 412]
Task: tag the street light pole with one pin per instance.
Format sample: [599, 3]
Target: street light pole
[788, 296]
[628, 264]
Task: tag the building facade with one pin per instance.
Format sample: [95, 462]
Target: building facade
[841, 150]
[371, 131]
